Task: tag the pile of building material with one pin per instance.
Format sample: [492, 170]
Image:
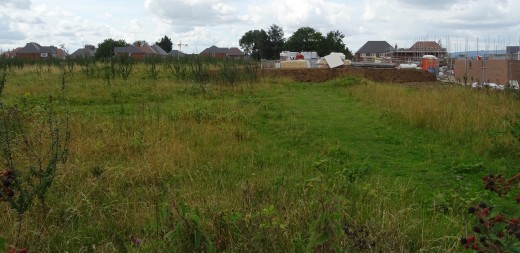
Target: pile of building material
[295, 64]
[408, 66]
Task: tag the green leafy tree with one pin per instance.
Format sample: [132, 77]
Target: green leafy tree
[106, 48]
[276, 42]
[334, 43]
[306, 39]
[165, 43]
[254, 43]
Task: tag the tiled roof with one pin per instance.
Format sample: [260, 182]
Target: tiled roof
[375, 47]
[83, 52]
[214, 49]
[176, 53]
[30, 48]
[128, 50]
[159, 50]
[426, 45]
[147, 49]
[235, 52]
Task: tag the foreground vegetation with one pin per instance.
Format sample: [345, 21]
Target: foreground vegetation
[221, 162]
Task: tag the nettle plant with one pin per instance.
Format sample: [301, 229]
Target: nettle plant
[495, 231]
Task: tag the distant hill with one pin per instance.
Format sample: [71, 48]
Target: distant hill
[475, 53]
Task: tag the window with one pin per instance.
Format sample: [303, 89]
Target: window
[363, 54]
[43, 55]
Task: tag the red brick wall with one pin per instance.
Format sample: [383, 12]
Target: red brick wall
[35, 56]
[496, 71]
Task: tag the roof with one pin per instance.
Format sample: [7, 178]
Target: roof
[159, 50]
[235, 52]
[147, 49]
[426, 45]
[176, 53]
[83, 52]
[375, 47]
[215, 50]
[49, 50]
[12, 53]
[30, 48]
[128, 50]
[512, 49]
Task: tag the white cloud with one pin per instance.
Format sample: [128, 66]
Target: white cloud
[17, 4]
[202, 23]
[185, 15]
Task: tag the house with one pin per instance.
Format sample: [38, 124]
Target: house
[176, 53]
[222, 52]
[11, 54]
[62, 54]
[418, 50]
[235, 53]
[376, 49]
[83, 52]
[487, 69]
[148, 51]
[130, 51]
[159, 51]
[35, 51]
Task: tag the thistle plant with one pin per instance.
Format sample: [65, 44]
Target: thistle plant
[33, 142]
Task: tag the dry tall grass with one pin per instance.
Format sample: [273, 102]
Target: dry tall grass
[459, 112]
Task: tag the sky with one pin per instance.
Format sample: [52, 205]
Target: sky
[199, 24]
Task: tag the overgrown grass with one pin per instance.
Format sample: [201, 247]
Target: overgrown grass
[166, 165]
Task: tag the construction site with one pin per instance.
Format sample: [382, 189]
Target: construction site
[425, 61]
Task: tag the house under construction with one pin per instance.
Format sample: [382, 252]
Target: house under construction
[415, 53]
[499, 69]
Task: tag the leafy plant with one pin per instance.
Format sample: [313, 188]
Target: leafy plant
[495, 231]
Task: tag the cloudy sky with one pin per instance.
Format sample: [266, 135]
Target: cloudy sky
[203, 23]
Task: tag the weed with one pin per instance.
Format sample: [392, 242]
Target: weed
[495, 230]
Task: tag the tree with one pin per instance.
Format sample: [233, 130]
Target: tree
[165, 43]
[334, 43]
[140, 43]
[276, 42]
[91, 47]
[106, 48]
[254, 43]
[306, 39]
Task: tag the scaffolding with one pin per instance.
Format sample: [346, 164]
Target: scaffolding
[415, 53]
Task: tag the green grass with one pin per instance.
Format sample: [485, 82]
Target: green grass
[272, 166]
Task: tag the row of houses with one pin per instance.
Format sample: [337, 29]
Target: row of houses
[382, 49]
[35, 51]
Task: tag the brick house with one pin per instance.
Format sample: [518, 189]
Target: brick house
[130, 51]
[376, 49]
[222, 52]
[35, 51]
[417, 51]
[83, 52]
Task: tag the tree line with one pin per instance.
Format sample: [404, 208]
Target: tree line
[260, 44]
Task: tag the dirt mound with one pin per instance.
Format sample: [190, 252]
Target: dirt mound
[378, 75]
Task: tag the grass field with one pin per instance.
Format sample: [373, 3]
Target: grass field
[165, 165]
